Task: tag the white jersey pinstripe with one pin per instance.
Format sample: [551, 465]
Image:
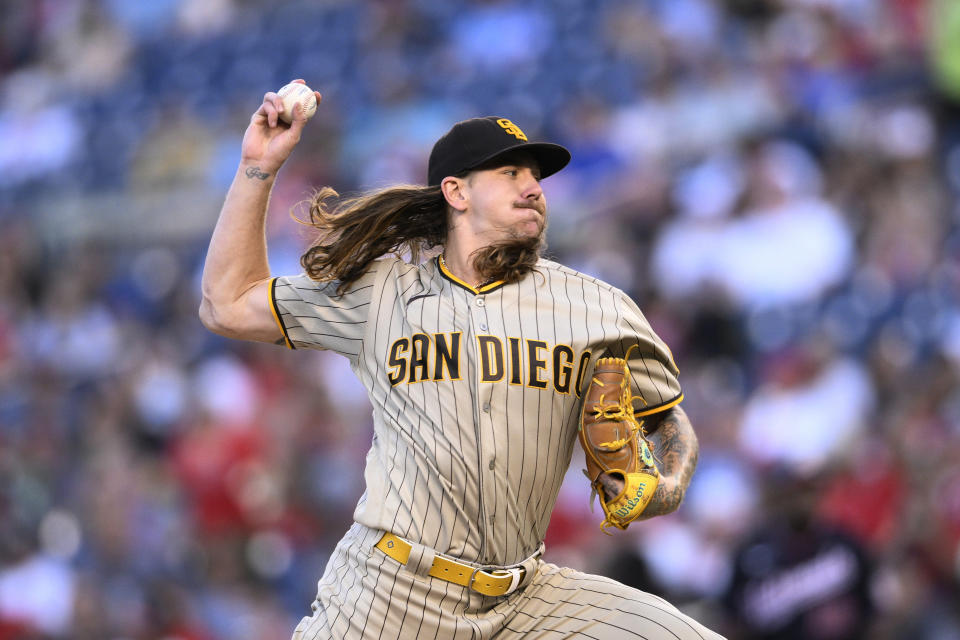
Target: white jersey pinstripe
[475, 394]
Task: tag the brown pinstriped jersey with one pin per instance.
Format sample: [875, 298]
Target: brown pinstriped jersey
[475, 392]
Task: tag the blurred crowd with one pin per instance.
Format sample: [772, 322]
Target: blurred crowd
[774, 181]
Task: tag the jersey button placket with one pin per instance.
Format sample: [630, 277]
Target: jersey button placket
[478, 317]
[485, 424]
[481, 316]
[479, 302]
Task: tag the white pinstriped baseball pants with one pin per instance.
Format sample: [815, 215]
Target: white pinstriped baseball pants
[365, 594]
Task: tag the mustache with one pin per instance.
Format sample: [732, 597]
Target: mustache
[537, 206]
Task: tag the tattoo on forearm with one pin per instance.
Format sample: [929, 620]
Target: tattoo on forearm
[280, 341]
[255, 172]
[677, 450]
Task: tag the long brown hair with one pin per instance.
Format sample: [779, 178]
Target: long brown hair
[403, 220]
[508, 260]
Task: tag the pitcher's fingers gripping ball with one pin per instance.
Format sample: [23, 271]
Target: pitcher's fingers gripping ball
[297, 93]
[615, 445]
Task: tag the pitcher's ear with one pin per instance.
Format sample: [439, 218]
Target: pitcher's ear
[453, 192]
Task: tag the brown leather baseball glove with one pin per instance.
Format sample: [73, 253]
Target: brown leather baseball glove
[615, 445]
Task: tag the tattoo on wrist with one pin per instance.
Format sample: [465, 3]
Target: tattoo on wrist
[255, 172]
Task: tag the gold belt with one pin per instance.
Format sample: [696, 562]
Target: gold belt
[489, 581]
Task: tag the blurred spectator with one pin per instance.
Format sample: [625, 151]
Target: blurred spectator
[809, 410]
[802, 241]
[797, 578]
[28, 587]
[40, 134]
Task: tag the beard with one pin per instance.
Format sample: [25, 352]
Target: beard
[509, 260]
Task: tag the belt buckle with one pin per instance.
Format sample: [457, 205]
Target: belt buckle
[516, 574]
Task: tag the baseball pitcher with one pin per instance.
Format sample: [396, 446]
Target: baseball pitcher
[485, 366]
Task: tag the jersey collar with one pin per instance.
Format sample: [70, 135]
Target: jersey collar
[486, 288]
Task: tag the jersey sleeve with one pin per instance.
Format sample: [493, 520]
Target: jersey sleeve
[654, 374]
[312, 316]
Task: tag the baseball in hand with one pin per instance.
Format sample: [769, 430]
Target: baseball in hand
[294, 93]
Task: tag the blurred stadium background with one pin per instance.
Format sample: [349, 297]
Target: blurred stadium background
[776, 182]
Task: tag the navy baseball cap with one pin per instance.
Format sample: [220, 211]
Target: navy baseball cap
[477, 141]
